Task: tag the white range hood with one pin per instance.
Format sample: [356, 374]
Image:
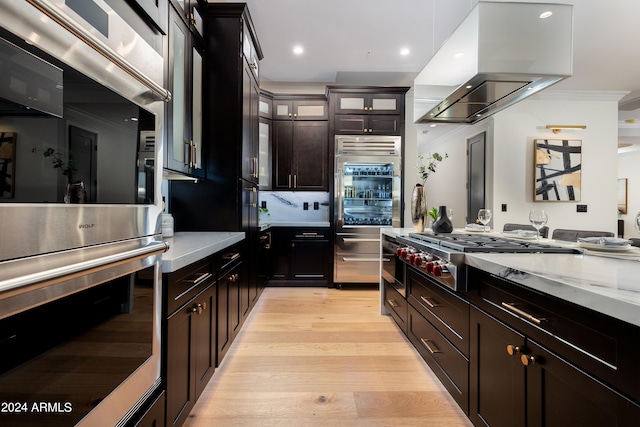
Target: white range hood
[501, 53]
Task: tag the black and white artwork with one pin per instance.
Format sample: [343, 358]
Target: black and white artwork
[558, 170]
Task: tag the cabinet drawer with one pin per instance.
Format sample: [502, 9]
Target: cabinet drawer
[446, 311]
[449, 365]
[599, 344]
[396, 305]
[184, 284]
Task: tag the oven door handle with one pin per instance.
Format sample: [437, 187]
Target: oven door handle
[102, 263]
[360, 259]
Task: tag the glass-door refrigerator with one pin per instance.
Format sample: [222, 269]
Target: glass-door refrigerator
[367, 197]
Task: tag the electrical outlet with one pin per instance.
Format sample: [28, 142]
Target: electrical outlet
[316, 206]
[504, 207]
[305, 206]
[581, 208]
[263, 204]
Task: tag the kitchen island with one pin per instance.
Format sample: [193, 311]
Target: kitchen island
[529, 338]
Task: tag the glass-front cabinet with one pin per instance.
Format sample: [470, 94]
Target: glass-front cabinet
[184, 149]
[367, 194]
[362, 103]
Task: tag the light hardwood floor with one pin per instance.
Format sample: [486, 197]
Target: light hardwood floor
[323, 357]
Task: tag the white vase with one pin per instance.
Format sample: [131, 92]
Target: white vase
[419, 207]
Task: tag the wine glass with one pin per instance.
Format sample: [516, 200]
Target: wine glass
[484, 216]
[538, 218]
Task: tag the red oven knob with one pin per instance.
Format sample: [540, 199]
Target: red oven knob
[398, 251]
[417, 261]
[403, 253]
[411, 258]
[437, 270]
[429, 266]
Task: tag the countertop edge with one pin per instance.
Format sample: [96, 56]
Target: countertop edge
[561, 286]
[188, 247]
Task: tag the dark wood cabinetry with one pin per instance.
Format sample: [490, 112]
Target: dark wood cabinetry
[300, 256]
[367, 110]
[548, 364]
[184, 143]
[300, 144]
[300, 155]
[231, 281]
[438, 327]
[397, 306]
[190, 296]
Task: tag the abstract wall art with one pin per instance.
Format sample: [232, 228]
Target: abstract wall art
[558, 170]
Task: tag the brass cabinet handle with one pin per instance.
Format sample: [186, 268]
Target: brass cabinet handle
[527, 360]
[431, 349]
[295, 181]
[514, 349]
[289, 184]
[198, 308]
[392, 303]
[511, 306]
[233, 278]
[428, 300]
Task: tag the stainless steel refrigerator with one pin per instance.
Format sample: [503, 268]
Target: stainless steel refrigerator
[367, 197]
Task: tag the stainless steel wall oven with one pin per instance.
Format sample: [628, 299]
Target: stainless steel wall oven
[81, 100]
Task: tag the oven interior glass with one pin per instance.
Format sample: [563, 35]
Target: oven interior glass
[61, 359]
[102, 150]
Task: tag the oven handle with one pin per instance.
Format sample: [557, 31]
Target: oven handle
[97, 264]
[360, 259]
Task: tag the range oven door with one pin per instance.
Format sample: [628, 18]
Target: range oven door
[393, 270]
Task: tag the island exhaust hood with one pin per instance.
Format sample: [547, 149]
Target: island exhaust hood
[500, 54]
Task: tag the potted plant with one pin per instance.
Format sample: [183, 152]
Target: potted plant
[419, 195]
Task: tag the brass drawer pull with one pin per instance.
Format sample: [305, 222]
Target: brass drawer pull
[392, 303]
[428, 300]
[431, 349]
[511, 306]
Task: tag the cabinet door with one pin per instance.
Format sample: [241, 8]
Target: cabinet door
[384, 125]
[195, 143]
[361, 103]
[180, 388]
[559, 394]
[250, 102]
[312, 109]
[311, 157]
[264, 154]
[350, 124]
[223, 337]
[204, 310]
[385, 103]
[282, 154]
[178, 145]
[496, 378]
[280, 253]
[309, 259]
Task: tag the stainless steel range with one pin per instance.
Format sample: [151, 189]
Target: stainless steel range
[442, 256]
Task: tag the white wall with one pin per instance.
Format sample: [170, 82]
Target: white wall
[628, 168]
[510, 171]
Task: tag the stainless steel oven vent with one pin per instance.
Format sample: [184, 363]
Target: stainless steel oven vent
[368, 145]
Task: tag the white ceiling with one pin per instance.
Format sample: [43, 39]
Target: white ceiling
[358, 42]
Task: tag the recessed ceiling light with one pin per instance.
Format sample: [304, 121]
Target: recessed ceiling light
[459, 55]
[546, 14]
[404, 51]
[298, 50]
[433, 125]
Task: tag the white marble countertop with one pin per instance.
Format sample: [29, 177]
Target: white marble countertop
[607, 285]
[188, 247]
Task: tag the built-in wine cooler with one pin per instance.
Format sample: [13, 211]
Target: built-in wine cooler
[367, 197]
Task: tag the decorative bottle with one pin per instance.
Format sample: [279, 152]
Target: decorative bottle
[443, 223]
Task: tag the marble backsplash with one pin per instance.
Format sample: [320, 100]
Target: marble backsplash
[289, 206]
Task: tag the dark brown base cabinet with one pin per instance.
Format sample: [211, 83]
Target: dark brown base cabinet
[575, 368]
[522, 374]
[437, 326]
[190, 344]
[300, 256]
